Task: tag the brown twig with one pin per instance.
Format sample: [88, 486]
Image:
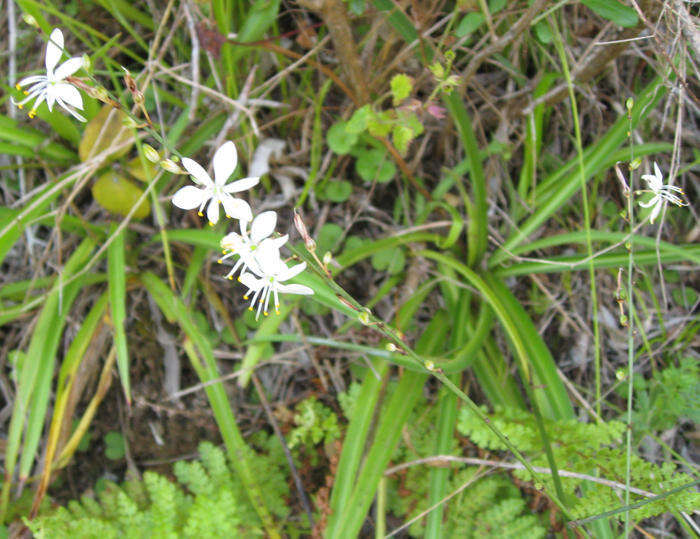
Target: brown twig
[335, 16]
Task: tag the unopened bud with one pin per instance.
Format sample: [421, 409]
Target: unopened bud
[171, 166]
[301, 228]
[635, 163]
[327, 258]
[130, 83]
[100, 93]
[629, 103]
[128, 121]
[363, 317]
[151, 153]
[391, 347]
[87, 63]
[429, 365]
[30, 20]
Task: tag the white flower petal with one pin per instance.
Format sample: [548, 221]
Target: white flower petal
[263, 225]
[268, 258]
[50, 99]
[70, 109]
[252, 282]
[279, 242]
[295, 289]
[241, 185]
[67, 68]
[657, 173]
[54, 50]
[289, 273]
[225, 161]
[651, 202]
[32, 79]
[213, 212]
[655, 212]
[236, 208]
[199, 175]
[68, 94]
[189, 197]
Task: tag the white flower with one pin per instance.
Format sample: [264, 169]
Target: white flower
[661, 193]
[52, 87]
[190, 197]
[271, 273]
[245, 246]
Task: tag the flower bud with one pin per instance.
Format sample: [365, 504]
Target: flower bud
[151, 153]
[171, 166]
[301, 228]
[30, 20]
[87, 63]
[327, 258]
[391, 347]
[363, 317]
[429, 365]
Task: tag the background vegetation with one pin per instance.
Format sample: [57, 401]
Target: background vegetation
[500, 342]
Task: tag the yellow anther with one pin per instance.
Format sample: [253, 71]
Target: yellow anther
[238, 278]
[18, 86]
[25, 92]
[32, 113]
[245, 297]
[200, 214]
[265, 313]
[228, 216]
[250, 308]
[20, 106]
[277, 311]
[230, 277]
[211, 224]
[220, 261]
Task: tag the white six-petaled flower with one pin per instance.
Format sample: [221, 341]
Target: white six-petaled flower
[269, 272]
[52, 87]
[245, 246]
[661, 193]
[217, 191]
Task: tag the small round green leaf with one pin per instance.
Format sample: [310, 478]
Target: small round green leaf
[115, 448]
[391, 260]
[338, 191]
[105, 130]
[339, 140]
[328, 238]
[375, 165]
[118, 195]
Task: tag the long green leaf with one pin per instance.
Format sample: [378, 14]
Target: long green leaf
[117, 300]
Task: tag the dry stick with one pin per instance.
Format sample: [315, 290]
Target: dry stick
[335, 16]
[297, 480]
[689, 28]
[662, 50]
[583, 72]
[194, 39]
[443, 460]
[501, 43]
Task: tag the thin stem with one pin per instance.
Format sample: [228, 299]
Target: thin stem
[630, 341]
[586, 211]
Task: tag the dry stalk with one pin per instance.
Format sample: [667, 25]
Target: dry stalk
[335, 16]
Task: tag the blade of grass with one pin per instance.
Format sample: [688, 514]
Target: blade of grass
[477, 231]
[35, 369]
[347, 521]
[116, 275]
